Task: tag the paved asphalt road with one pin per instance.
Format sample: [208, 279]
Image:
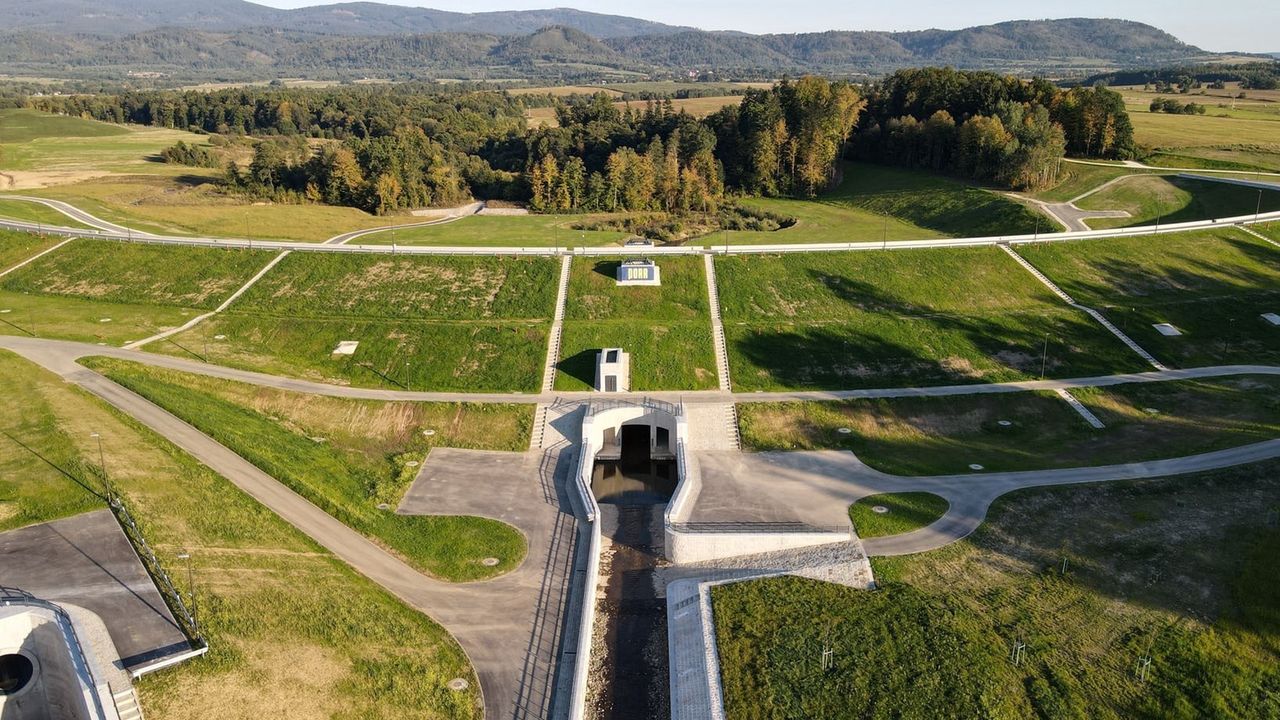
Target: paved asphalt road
[61, 356]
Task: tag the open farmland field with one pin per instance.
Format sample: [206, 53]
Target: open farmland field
[340, 478]
[667, 329]
[876, 202]
[503, 231]
[1182, 571]
[942, 436]
[113, 293]
[425, 323]
[37, 144]
[318, 633]
[901, 318]
[1173, 199]
[1211, 285]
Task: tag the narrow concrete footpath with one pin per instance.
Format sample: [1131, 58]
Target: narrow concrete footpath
[225, 304]
[717, 324]
[76, 214]
[1103, 321]
[454, 214]
[33, 258]
[1259, 235]
[501, 624]
[62, 356]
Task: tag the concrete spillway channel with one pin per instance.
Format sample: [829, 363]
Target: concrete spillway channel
[632, 481]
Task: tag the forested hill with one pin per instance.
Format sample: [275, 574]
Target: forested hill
[126, 17]
[1069, 48]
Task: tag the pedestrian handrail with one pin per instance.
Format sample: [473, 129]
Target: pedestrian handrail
[598, 406]
[12, 596]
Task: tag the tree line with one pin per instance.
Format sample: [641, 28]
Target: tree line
[385, 149]
[989, 128]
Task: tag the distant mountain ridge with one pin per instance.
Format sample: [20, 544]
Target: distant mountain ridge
[235, 40]
[127, 17]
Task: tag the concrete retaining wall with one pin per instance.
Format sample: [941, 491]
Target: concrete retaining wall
[692, 547]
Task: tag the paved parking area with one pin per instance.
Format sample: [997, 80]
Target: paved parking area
[86, 560]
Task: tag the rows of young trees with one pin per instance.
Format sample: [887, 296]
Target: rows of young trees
[989, 127]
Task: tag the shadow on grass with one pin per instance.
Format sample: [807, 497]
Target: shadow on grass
[607, 268]
[580, 366]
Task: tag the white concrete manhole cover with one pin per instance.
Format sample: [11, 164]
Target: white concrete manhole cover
[5, 311]
[458, 684]
[318, 440]
[411, 463]
[976, 466]
[844, 431]
[219, 337]
[428, 433]
[1153, 411]
[489, 562]
[879, 509]
[383, 506]
[1004, 423]
[105, 320]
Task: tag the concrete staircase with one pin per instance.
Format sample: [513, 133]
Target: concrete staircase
[557, 327]
[1258, 235]
[717, 325]
[1103, 321]
[126, 702]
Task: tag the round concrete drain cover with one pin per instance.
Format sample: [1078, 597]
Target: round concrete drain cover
[428, 433]
[458, 684]
[1004, 423]
[219, 337]
[4, 311]
[383, 506]
[489, 562]
[976, 466]
[844, 431]
[105, 320]
[1153, 411]
[879, 509]
[411, 463]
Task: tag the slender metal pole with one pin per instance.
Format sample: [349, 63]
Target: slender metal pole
[1258, 211]
[191, 590]
[1044, 359]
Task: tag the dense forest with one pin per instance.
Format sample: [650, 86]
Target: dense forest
[988, 127]
[385, 149]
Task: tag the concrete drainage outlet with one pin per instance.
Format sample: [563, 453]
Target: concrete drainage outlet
[844, 431]
[1004, 423]
[16, 672]
[976, 466]
[489, 562]
[458, 684]
[879, 509]
[411, 463]
[383, 506]
[428, 433]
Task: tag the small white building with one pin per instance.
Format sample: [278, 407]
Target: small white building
[639, 272]
[613, 371]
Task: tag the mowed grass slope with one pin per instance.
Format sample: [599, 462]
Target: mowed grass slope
[875, 202]
[340, 479]
[895, 318]
[18, 246]
[64, 147]
[278, 610]
[1025, 431]
[1212, 285]
[1184, 571]
[36, 213]
[113, 292]
[424, 323]
[666, 329]
[502, 231]
[1172, 199]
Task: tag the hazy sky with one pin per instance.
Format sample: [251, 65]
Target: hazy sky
[1247, 25]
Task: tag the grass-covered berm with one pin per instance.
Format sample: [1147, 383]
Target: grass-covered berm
[1154, 599]
[293, 631]
[476, 324]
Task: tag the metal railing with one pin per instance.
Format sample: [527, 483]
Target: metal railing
[595, 407]
[12, 596]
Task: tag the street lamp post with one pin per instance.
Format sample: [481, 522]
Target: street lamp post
[102, 462]
[1044, 358]
[1258, 210]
